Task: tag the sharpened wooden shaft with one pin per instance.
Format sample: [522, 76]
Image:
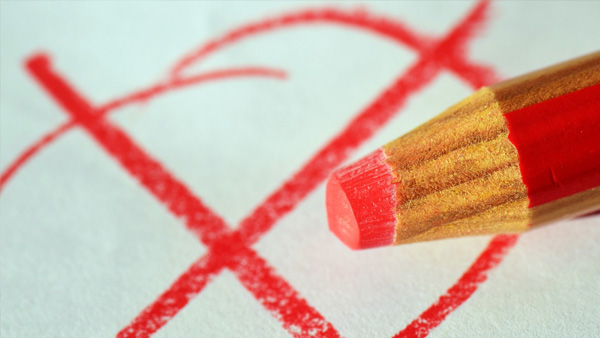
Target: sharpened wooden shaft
[517, 154]
[457, 167]
[459, 174]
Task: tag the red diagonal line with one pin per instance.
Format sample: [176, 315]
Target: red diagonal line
[180, 201]
[257, 295]
[270, 289]
[362, 127]
[198, 218]
[286, 195]
[335, 152]
[160, 88]
[166, 306]
[475, 75]
[293, 191]
[452, 50]
[360, 19]
[462, 290]
[32, 150]
[137, 96]
[266, 215]
[280, 298]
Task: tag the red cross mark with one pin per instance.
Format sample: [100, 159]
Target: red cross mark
[232, 249]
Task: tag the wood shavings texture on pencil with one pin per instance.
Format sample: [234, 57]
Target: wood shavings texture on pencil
[518, 154]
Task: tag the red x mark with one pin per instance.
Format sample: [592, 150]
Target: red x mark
[232, 249]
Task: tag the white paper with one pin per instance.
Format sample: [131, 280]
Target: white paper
[85, 247]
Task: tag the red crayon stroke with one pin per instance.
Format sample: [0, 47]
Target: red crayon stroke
[166, 306]
[142, 95]
[318, 168]
[32, 150]
[178, 199]
[290, 194]
[462, 290]
[362, 127]
[475, 75]
[198, 218]
[285, 198]
[230, 249]
[360, 18]
[279, 298]
[160, 88]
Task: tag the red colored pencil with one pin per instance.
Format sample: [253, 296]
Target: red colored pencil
[518, 154]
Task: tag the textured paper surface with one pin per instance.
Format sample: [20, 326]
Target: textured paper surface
[85, 247]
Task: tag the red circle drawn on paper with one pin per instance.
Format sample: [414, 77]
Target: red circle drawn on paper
[451, 45]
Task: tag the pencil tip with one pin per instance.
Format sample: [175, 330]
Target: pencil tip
[340, 215]
[360, 200]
